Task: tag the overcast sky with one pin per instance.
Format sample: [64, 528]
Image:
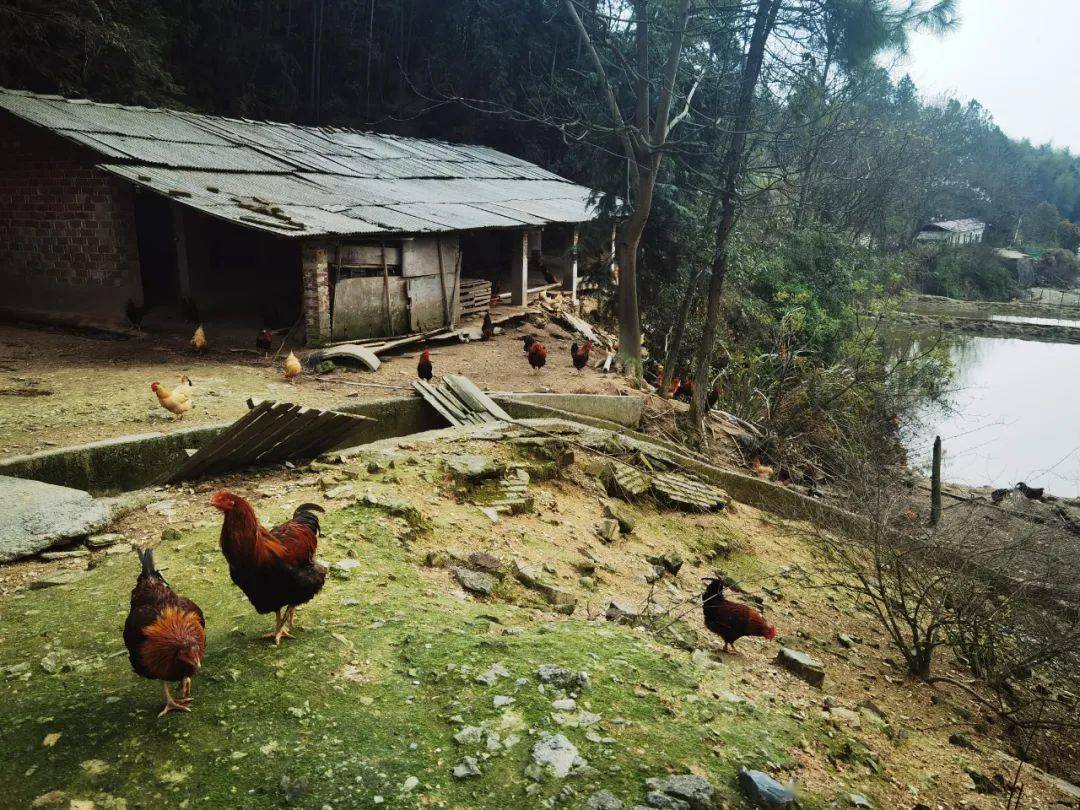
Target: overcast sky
[1019, 58]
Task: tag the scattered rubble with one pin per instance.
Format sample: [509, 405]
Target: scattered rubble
[802, 665]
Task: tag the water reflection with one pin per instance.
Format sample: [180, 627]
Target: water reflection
[1013, 414]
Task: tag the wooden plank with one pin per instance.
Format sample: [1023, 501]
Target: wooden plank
[450, 403]
[238, 441]
[473, 397]
[275, 444]
[431, 400]
[321, 435]
[266, 436]
[211, 450]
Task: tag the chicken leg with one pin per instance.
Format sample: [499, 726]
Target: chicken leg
[176, 705]
[280, 629]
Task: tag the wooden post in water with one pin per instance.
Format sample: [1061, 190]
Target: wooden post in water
[935, 484]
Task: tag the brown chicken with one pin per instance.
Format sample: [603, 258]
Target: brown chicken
[580, 356]
[292, 368]
[275, 569]
[198, 340]
[487, 328]
[423, 367]
[165, 634]
[264, 342]
[730, 620]
[537, 355]
[176, 401]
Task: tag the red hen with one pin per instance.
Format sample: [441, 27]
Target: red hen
[537, 355]
[730, 620]
[165, 634]
[424, 368]
[580, 356]
[275, 569]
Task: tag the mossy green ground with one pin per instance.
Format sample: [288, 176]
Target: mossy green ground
[381, 676]
[361, 700]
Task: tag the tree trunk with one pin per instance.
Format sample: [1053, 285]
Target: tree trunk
[764, 21]
[680, 331]
[627, 240]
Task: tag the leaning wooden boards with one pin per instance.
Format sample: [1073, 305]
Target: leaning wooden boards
[273, 432]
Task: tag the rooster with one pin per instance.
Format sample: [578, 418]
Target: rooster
[487, 328]
[537, 355]
[580, 356]
[165, 634]
[292, 368]
[176, 401]
[424, 367]
[713, 397]
[135, 313]
[676, 384]
[527, 343]
[730, 620]
[685, 391]
[275, 569]
[264, 342]
[1031, 493]
[198, 340]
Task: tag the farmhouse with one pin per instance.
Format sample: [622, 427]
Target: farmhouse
[259, 223]
[953, 231]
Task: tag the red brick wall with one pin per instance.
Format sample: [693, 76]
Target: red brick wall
[67, 229]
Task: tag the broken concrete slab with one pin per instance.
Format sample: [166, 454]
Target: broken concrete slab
[469, 468]
[802, 665]
[35, 516]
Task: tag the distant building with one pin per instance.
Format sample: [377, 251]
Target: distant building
[1020, 264]
[953, 231]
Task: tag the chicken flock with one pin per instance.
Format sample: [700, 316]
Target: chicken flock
[276, 569]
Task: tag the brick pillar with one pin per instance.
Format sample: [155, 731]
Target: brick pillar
[315, 260]
[519, 269]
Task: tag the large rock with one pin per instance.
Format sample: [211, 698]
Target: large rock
[562, 677]
[763, 791]
[471, 469]
[802, 665]
[36, 516]
[476, 581]
[556, 754]
[691, 789]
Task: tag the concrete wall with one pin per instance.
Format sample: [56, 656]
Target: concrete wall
[67, 229]
[131, 462]
[420, 267]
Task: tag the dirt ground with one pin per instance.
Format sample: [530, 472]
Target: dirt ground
[61, 387]
[871, 730]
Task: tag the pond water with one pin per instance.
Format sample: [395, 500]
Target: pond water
[1014, 414]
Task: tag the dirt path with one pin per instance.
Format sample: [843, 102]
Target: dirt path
[59, 388]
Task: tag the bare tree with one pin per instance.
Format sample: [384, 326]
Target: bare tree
[643, 135]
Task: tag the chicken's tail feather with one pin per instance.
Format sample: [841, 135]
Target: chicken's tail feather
[146, 557]
[305, 513]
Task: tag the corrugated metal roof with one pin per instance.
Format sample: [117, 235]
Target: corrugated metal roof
[958, 225]
[309, 181]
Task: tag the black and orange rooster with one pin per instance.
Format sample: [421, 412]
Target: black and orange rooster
[730, 620]
[275, 569]
[685, 391]
[487, 328]
[676, 384]
[580, 356]
[264, 342]
[537, 355]
[527, 342]
[165, 634]
[424, 368]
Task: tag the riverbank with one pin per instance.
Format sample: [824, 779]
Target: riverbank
[1012, 319]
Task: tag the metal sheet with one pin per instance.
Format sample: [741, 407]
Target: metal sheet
[309, 181]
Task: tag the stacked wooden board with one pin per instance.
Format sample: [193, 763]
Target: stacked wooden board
[273, 432]
[475, 296]
[460, 401]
